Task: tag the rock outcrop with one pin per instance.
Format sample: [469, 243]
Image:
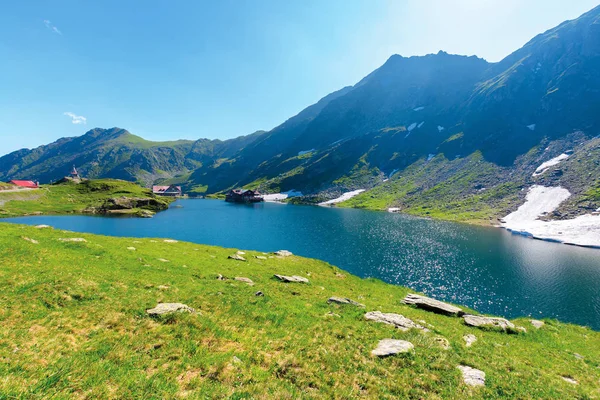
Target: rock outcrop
[389, 347]
[480, 321]
[433, 305]
[168, 308]
[472, 376]
[396, 320]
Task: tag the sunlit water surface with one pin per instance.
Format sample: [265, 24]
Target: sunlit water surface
[487, 269]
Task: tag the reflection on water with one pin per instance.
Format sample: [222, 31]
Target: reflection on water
[485, 268]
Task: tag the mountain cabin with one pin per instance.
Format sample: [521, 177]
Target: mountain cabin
[243, 196]
[172, 190]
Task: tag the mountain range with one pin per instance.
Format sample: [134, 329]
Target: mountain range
[442, 135]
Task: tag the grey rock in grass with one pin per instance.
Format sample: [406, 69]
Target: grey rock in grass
[470, 339]
[42, 226]
[344, 300]
[291, 279]
[433, 305]
[170, 241]
[536, 323]
[480, 321]
[570, 380]
[163, 260]
[221, 277]
[390, 347]
[578, 356]
[259, 294]
[131, 248]
[168, 308]
[396, 320]
[245, 280]
[472, 376]
[283, 253]
[72, 240]
[30, 240]
[261, 257]
[236, 257]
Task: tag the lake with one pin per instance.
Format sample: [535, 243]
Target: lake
[484, 268]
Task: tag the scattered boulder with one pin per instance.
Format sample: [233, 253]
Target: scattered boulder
[163, 260]
[162, 287]
[570, 380]
[245, 280]
[236, 257]
[283, 253]
[221, 277]
[332, 314]
[131, 248]
[72, 240]
[396, 320]
[236, 360]
[433, 305]
[170, 241]
[521, 329]
[344, 300]
[241, 253]
[470, 339]
[536, 323]
[291, 279]
[472, 376]
[259, 294]
[578, 356]
[389, 347]
[480, 321]
[168, 308]
[261, 257]
[30, 240]
[42, 226]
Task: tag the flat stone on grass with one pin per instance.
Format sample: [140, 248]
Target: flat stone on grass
[390, 347]
[76, 240]
[168, 308]
[131, 248]
[433, 305]
[344, 300]
[170, 241]
[470, 339]
[472, 376]
[236, 257]
[396, 320]
[496, 323]
[30, 240]
[570, 380]
[42, 226]
[283, 253]
[245, 280]
[536, 323]
[291, 279]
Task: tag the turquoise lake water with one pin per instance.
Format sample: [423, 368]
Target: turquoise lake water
[487, 269]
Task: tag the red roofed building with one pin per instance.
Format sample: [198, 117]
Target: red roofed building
[25, 184]
[167, 190]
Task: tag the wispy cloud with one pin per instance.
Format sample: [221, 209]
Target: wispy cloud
[50, 26]
[76, 119]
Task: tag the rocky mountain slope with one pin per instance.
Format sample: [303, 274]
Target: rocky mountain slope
[444, 135]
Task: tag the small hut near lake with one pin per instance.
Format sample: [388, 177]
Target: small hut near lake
[244, 196]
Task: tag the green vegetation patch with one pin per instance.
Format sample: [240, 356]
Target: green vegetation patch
[73, 324]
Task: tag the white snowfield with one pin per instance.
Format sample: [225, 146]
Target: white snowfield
[276, 197]
[582, 231]
[550, 163]
[344, 197]
[531, 127]
[440, 128]
[411, 126]
[419, 108]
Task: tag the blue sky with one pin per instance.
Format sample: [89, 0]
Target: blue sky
[189, 69]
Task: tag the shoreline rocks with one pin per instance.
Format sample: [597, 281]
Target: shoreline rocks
[432, 305]
[480, 321]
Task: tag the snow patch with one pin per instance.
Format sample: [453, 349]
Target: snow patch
[303, 152]
[531, 127]
[440, 128]
[582, 231]
[394, 209]
[430, 157]
[550, 163]
[421, 124]
[276, 197]
[344, 197]
[418, 108]
[411, 126]
[393, 172]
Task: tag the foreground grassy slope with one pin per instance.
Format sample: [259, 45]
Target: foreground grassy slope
[73, 325]
[68, 198]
